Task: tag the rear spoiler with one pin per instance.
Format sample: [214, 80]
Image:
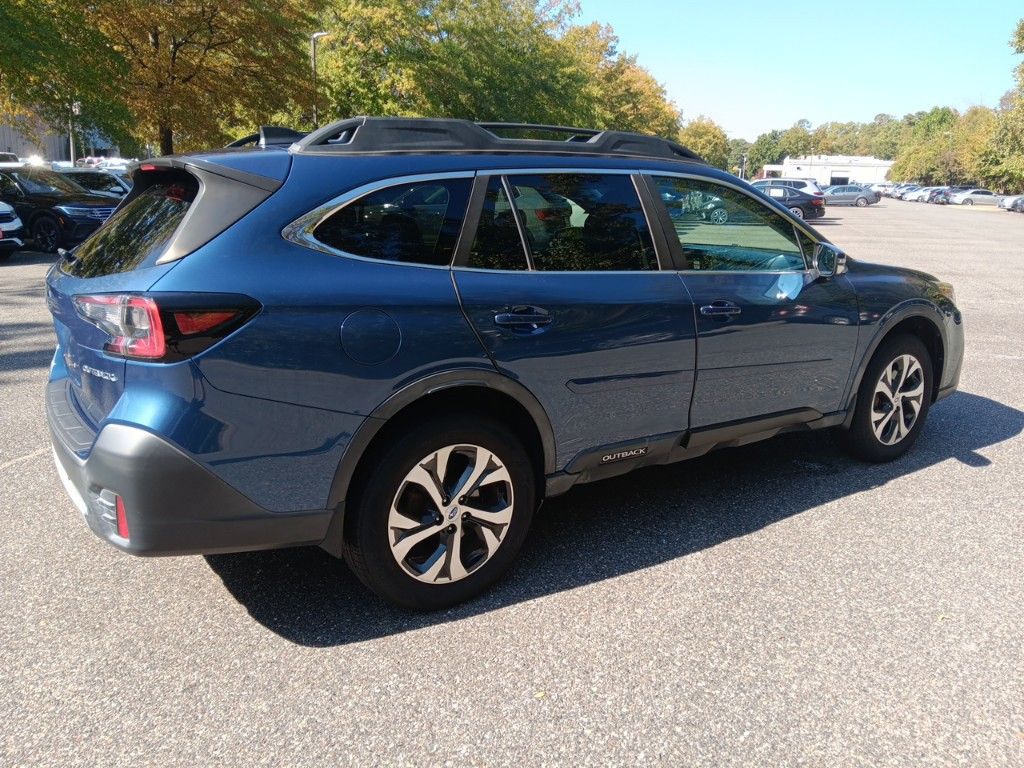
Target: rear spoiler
[269, 136]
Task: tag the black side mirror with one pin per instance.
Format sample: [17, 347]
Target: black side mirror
[828, 260]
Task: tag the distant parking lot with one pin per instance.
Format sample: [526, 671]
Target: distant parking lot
[778, 604]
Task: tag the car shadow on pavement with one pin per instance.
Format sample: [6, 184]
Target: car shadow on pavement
[617, 526]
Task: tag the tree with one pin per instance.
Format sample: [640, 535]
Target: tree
[737, 149]
[624, 95]
[705, 137]
[192, 65]
[56, 59]
[764, 151]
[514, 60]
[796, 141]
[1001, 163]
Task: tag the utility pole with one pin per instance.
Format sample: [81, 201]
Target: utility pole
[312, 60]
[76, 109]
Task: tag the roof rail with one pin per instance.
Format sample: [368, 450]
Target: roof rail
[407, 135]
[269, 136]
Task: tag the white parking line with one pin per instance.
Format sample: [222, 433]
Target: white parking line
[26, 457]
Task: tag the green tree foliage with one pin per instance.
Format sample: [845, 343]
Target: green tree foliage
[737, 149]
[796, 141]
[51, 57]
[764, 151]
[705, 137]
[488, 60]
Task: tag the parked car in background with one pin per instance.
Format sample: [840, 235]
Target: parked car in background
[974, 196]
[882, 187]
[801, 204]
[850, 194]
[1006, 201]
[1018, 205]
[421, 390]
[57, 212]
[810, 186]
[100, 182]
[920, 195]
[12, 233]
[9, 160]
[934, 193]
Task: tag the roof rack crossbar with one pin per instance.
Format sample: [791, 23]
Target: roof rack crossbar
[404, 135]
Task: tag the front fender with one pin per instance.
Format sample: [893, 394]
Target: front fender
[883, 326]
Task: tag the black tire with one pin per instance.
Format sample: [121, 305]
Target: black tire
[968, 201]
[367, 548]
[860, 439]
[861, 202]
[46, 234]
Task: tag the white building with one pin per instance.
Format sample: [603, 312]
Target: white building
[832, 169]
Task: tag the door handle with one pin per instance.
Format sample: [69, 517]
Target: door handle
[523, 318]
[720, 309]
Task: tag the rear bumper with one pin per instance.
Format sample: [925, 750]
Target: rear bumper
[173, 505]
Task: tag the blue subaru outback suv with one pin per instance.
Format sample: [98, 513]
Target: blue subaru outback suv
[394, 337]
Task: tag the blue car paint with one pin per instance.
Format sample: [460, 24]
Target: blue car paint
[627, 356]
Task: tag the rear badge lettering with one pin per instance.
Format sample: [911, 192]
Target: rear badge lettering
[98, 373]
[632, 453]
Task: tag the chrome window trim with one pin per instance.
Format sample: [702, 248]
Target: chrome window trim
[796, 223]
[300, 231]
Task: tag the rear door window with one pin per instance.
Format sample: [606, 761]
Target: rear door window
[136, 234]
[497, 244]
[583, 222]
[417, 222]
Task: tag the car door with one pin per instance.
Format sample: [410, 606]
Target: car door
[584, 317]
[772, 336]
[847, 195]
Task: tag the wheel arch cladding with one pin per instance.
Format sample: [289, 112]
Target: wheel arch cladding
[527, 421]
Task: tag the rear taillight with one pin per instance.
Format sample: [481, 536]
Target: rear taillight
[818, 201]
[164, 327]
[133, 323]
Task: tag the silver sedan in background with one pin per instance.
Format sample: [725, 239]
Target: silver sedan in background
[851, 194]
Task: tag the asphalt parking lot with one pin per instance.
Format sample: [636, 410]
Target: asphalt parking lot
[778, 604]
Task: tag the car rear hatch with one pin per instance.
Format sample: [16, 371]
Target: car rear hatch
[93, 292]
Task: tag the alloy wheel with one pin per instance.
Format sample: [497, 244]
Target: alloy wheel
[46, 234]
[897, 401]
[719, 216]
[450, 514]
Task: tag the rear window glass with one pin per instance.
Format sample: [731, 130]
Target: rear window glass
[136, 234]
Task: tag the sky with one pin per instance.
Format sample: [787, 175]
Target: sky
[754, 65]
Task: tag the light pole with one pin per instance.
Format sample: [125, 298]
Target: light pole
[312, 60]
[76, 109]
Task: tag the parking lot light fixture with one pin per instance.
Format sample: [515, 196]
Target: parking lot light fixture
[312, 61]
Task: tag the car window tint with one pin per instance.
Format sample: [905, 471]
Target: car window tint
[8, 187]
[417, 222]
[137, 234]
[497, 244]
[721, 228]
[584, 222]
